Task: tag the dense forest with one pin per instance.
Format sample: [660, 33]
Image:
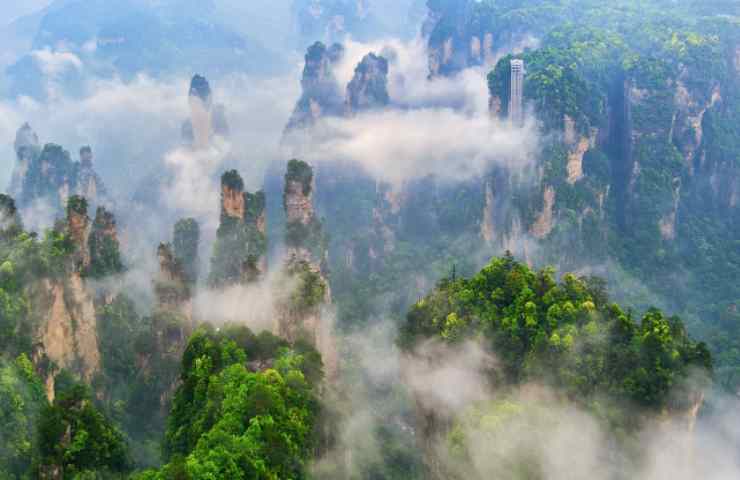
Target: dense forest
[409, 283]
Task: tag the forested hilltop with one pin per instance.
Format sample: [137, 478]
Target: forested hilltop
[506, 248]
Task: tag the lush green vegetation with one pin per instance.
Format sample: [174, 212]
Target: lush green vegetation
[78, 441]
[566, 333]
[635, 73]
[234, 418]
[22, 399]
[105, 255]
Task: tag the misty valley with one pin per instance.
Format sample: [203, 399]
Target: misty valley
[370, 239]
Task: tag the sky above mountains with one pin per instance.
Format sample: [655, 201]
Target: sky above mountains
[13, 9]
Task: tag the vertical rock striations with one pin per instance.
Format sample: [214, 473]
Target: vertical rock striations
[301, 313]
[171, 285]
[201, 103]
[63, 304]
[104, 248]
[77, 230]
[304, 235]
[455, 40]
[241, 243]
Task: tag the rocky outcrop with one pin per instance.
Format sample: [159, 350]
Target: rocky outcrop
[49, 178]
[178, 270]
[386, 219]
[27, 148]
[577, 145]
[201, 102]
[458, 37]
[543, 226]
[304, 235]
[667, 224]
[206, 118]
[368, 89]
[78, 230]
[171, 286]
[104, 248]
[64, 306]
[186, 244]
[321, 93]
[89, 184]
[302, 302]
[687, 131]
[488, 231]
[241, 243]
[68, 329]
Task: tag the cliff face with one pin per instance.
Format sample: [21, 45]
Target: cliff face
[171, 285]
[68, 332]
[304, 237]
[51, 177]
[27, 147]
[241, 244]
[369, 86]
[321, 93]
[178, 272]
[89, 184]
[301, 306]
[461, 35]
[103, 246]
[77, 229]
[64, 307]
[207, 119]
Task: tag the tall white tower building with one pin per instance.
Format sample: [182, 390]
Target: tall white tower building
[516, 99]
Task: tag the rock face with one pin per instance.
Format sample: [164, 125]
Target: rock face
[27, 148]
[171, 285]
[321, 93]
[577, 145]
[89, 184]
[178, 270]
[304, 235]
[64, 306]
[543, 226]
[68, 333]
[369, 87]
[454, 40]
[186, 244]
[301, 307]
[104, 249]
[50, 177]
[77, 229]
[206, 118]
[241, 243]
